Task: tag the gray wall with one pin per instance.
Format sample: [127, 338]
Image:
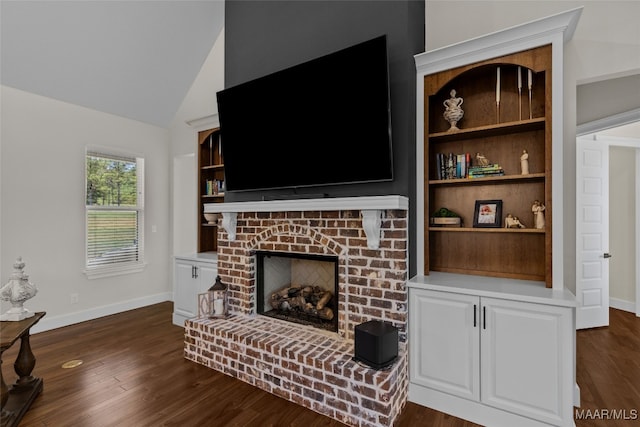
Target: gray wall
[607, 98]
[262, 37]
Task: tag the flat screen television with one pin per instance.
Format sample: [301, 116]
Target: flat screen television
[323, 122]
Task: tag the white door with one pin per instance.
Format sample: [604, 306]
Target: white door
[592, 233]
[445, 342]
[526, 359]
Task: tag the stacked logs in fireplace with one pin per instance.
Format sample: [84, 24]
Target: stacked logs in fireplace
[303, 302]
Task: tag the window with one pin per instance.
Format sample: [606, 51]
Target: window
[114, 214]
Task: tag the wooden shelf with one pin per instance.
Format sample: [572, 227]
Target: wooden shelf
[213, 196]
[490, 180]
[490, 130]
[212, 167]
[488, 230]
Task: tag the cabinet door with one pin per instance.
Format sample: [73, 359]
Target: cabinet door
[444, 342]
[185, 290]
[526, 352]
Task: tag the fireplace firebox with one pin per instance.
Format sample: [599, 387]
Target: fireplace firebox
[298, 288]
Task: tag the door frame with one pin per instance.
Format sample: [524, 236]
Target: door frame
[607, 123]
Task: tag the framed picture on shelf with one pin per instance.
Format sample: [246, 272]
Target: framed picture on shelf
[488, 214]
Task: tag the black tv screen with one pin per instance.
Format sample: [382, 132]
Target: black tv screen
[323, 122]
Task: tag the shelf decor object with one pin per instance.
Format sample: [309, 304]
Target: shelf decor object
[498, 95]
[530, 92]
[453, 111]
[444, 217]
[519, 93]
[488, 214]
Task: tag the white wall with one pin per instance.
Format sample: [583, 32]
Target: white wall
[622, 230]
[605, 45]
[42, 211]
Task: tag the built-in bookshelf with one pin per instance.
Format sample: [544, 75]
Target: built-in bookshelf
[210, 186]
[502, 118]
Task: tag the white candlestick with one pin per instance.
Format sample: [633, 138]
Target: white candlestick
[530, 80]
[519, 79]
[498, 86]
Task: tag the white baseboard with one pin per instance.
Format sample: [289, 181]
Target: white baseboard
[621, 304]
[48, 323]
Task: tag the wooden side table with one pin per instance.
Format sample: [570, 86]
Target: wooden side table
[16, 400]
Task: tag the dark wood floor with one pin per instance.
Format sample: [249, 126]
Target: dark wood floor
[134, 374]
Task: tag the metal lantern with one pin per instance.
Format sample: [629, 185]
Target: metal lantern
[218, 299]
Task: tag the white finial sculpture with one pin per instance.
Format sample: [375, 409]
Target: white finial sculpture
[17, 291]
[453, 112]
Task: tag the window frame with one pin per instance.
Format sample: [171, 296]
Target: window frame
[121, 267]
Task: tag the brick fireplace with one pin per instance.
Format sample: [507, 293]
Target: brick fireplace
[306, 365]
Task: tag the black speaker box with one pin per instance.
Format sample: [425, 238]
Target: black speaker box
[376, 343]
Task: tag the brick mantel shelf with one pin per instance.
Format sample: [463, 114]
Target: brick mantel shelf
[371, 207]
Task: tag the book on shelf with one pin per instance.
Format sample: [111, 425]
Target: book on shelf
[452, 166]
[485, 171]
[214, 187]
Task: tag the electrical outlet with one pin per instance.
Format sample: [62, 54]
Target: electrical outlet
[75, 298]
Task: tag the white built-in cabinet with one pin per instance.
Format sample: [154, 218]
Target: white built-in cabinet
[193, 275]
[491, 323]
[495, 361]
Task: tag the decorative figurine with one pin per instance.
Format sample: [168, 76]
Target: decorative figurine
[481, 160]
[513, 222]
[538, 214]
[524, 162]
[17, 291]
[453, 112]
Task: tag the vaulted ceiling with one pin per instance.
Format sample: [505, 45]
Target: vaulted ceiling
[135, 59]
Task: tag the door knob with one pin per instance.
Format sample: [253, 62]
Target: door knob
[607, 255]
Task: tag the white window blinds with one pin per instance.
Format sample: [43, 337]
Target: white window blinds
[114, 213]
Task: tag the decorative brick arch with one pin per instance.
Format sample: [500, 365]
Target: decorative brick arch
[286, 236]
